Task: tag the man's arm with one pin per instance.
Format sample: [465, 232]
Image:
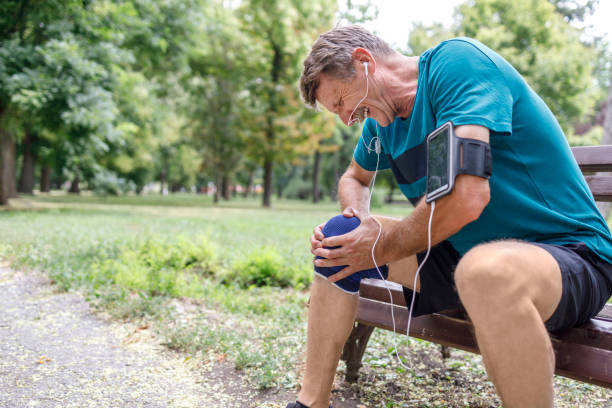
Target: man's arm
[408, 236]
[353, 195]
[353, 189]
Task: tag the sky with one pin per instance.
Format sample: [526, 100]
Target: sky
[395, 18]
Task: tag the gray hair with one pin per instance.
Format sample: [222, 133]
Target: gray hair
[332, 54]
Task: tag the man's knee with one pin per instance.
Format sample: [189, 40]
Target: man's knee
[491, 272]
[340, 225]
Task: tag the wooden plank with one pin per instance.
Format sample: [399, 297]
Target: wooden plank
[375, 289]
[594, 158]
[583, 363]
[435, 327]
[601, 187]
[595, 333]
[578, 361]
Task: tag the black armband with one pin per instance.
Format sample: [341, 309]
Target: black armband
[449, 155]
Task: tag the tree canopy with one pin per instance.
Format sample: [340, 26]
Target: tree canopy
[129, 95]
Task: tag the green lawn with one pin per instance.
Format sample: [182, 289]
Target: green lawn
[132, 255]
[228, 280]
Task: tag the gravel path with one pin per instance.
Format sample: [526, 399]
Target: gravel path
[55, 353]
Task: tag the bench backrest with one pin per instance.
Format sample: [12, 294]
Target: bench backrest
[592, 159]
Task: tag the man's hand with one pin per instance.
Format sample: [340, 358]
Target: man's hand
[355, 247]
[317, 234]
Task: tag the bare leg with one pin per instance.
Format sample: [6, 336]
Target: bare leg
[331, 315]
[403, 271]
[509, 289]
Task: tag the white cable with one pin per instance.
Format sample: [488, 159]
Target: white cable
[350, 120]
[377, 149]
[416, 275]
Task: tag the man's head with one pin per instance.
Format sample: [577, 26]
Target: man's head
[335, 55]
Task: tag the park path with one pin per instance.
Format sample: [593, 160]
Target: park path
[55, 353]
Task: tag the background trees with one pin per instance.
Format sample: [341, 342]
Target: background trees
[181, 95]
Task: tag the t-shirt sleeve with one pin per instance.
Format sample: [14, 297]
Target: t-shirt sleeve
[364, 154]
[467, 88]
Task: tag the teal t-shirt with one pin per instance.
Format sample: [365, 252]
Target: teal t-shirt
[538, 193]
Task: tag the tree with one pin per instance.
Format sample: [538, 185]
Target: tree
[574, 10]
[423, 37]
[538, 41]
[24, 27]
[217, 107]
[282, 31]
[542, 47]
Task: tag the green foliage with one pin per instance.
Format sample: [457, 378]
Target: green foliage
[423, 37]
[108, 183]
[541, 45]
[158, 268]
[298, 188]
[265, 266]
[591, 138]
[535, 37]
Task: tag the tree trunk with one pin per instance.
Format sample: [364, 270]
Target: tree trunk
[225, 187]
[162, 182]
[267, 193]
[315, 176]
[218, 182]
[74, 186]
[26, 180]
[604, 208]
[249, 185]
[275, 72]
[391, 191]
[8, 154]
[45, 179]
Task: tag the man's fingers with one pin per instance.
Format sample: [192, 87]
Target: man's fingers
[348, 271]
[351, 212]
[314, 244]
[348, 212]
[337, 240]
[318, 233]
[329, 253]
[326, 263]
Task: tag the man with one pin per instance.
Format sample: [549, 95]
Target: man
[523, 252]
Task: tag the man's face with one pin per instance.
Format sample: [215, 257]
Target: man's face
[342, 97]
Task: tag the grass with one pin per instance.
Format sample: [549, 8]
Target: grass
[132, 255]
[227, 279]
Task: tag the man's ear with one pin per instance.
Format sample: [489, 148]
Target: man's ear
[361, 55]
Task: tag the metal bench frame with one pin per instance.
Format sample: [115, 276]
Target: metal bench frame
[583, 353]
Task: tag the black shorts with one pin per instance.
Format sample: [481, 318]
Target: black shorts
[585, 286]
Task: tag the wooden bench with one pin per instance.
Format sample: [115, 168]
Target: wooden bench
[583, 353]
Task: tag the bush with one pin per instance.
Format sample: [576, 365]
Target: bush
[107, 182]
[159, 268]
[263, 267]
[297, 188]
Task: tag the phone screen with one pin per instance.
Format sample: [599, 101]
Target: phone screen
[437, 161]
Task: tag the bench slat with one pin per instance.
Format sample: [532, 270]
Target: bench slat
[375, 289]
[594, 158]
[573, 360]
[601, 187]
